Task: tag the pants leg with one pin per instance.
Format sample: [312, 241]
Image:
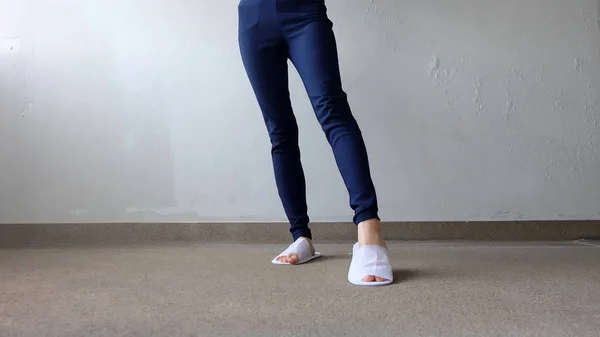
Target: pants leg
[313, 51]
[265, 60]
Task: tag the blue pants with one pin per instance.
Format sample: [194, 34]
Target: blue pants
[270, 33]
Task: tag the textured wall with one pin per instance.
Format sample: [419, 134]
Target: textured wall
[140, 111]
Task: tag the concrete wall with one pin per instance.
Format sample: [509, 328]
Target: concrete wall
[140, 110]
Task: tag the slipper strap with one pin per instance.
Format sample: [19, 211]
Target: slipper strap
[370, 260]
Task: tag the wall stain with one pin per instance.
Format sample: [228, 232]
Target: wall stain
[506, 214]
[28, 110]
[11, 45]
[577, 64]
[477, 91]
[79, 211]
[434, 66]
[598, 15]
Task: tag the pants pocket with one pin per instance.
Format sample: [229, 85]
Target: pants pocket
[248, 14]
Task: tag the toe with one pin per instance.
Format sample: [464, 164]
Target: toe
[369, 278]
[380, 279]
[292, 258]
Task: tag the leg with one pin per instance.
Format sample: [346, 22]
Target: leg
[313, 51]
[266, 66]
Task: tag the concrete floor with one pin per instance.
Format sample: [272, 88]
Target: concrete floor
[441, 289]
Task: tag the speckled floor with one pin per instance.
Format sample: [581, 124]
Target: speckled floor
[471, 289]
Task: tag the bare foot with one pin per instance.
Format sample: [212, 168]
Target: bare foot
[369, 233]
[292, 258]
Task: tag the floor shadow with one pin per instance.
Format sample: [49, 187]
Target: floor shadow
[324, 258]
[404, 275]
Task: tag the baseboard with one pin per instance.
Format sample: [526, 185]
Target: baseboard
[94, 234]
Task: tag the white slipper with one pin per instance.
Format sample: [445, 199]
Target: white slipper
[370, 260]
[300, 247]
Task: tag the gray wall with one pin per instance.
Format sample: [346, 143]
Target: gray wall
[139, 110]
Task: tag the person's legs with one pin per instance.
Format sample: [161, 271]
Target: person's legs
[313, 50]
[264, 54]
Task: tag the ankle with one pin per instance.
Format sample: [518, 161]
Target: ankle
[369, 233]
[371, 227]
